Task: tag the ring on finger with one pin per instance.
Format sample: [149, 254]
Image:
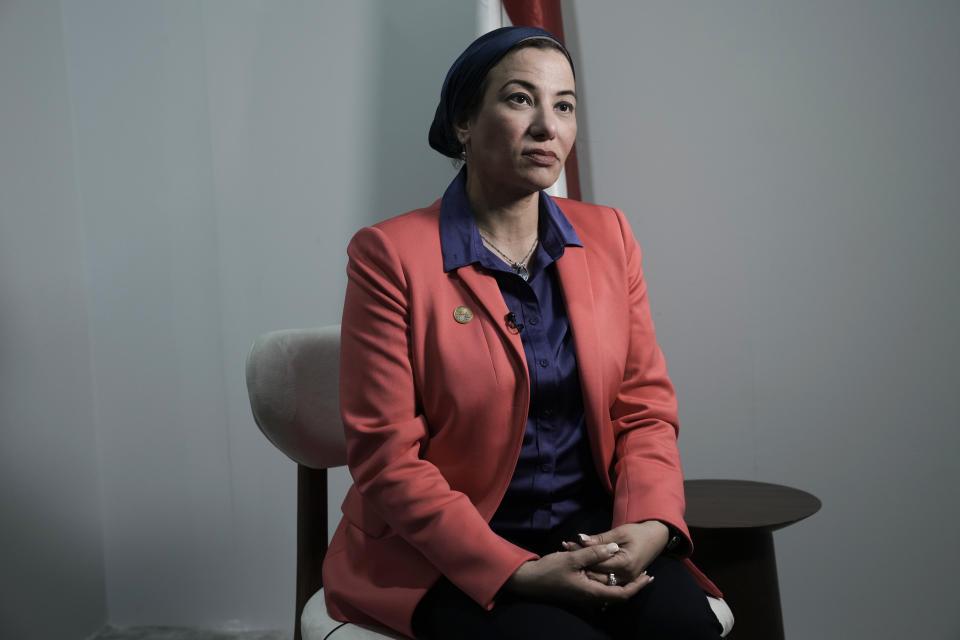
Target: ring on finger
[612, 579]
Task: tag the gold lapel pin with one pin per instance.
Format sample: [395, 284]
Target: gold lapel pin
[462, 314]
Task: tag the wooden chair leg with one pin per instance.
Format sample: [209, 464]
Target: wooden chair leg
[311, 535]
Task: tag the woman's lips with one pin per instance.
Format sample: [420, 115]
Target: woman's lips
[541, 157]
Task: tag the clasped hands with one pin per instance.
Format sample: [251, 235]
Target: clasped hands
[579, 574]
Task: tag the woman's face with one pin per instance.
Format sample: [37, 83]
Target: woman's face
[525, 127]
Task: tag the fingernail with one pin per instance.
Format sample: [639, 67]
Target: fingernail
[650, 580]
[584, 538]
[613, 547]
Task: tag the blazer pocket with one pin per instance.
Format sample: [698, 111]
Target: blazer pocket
[362, 516]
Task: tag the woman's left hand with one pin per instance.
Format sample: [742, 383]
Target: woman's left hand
[640, 544]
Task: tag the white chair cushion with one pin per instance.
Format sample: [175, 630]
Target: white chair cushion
[316, 624]
[723, 613]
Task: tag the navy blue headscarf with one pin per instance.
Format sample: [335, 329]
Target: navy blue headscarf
[465, 78]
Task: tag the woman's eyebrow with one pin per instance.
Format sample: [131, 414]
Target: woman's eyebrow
[529, 86]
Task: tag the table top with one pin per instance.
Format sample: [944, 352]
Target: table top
[744, 504]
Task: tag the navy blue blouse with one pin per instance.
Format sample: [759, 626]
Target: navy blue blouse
[554, 477]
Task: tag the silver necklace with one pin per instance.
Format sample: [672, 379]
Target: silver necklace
[519, 266]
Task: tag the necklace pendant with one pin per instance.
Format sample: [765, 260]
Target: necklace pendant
[520, 268]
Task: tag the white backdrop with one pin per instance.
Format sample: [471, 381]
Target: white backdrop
[177, 177]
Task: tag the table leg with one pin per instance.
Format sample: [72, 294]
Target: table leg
[743, 565]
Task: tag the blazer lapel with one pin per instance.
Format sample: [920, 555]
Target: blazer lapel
[578, 295]
[487, 294]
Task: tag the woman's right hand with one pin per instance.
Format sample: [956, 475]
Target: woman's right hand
[562, 577]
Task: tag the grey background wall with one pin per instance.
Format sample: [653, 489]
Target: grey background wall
[51, 534]
[178, 177]
[791, 169]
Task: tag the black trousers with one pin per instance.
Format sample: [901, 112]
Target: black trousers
[672, 607]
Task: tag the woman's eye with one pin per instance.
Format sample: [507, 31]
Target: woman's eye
[520, 98]
[565, 107]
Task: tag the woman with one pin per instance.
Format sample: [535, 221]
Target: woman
[510, 423]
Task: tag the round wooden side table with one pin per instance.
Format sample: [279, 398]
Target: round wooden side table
[732, 523]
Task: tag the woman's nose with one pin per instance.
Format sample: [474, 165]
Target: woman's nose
[544, 125]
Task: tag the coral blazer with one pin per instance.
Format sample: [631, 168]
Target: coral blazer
[435, 409]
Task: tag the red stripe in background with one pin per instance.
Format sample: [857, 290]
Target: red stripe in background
[546, 14]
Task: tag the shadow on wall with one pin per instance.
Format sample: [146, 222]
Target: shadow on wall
[404, 172]
[413, 59]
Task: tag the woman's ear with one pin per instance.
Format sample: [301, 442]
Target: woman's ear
[462, 129]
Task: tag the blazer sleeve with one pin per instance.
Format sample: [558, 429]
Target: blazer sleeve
[647, 471]
[386, 431]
